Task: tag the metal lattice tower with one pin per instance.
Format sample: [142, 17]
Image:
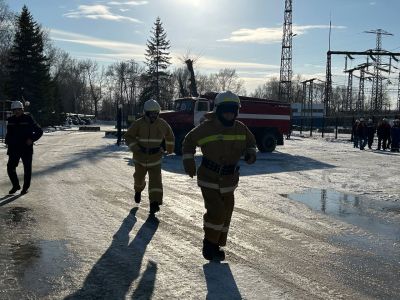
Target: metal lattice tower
[349, 97]
[328, 83]
[285, 82]
[377, 91]
[361, 93]
[398, 96]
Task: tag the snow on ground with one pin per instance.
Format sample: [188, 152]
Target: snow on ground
[78, 233]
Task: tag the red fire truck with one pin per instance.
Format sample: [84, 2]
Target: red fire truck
[268, 120]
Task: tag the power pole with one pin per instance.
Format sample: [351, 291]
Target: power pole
[285, 82]
[349, 97]
[361, 93]
[377, 92]
[309, 101]
[398, 95]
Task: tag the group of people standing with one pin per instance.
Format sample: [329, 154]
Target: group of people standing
[388, 136]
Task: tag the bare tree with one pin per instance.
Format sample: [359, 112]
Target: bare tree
[95, 80]
[227, 79]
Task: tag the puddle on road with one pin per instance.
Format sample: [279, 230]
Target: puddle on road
[383, 232]
[31, 268]
[350, 208]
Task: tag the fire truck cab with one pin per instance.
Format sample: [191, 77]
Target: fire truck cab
[267, 120]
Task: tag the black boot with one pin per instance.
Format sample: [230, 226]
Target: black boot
[14, 189]
[208, 250]
[211, 251]
[154, 207]
[220, 254]
[24, 191]
[138, 197]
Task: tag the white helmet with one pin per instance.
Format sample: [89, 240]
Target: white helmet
[17, 105]
[151, 105]
[227, 97]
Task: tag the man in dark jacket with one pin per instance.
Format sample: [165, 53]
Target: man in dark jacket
[22, 132]
[395, 134]
[355, 133]
[362, 134]
[383, 132]
[370, 133]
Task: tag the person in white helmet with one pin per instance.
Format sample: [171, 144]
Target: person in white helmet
[22, 132]
[145, 138]
[222, 140]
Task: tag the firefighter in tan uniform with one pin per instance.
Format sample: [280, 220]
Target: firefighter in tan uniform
[223, 140]
[144, 138]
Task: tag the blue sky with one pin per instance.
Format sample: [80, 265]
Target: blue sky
[240, 34]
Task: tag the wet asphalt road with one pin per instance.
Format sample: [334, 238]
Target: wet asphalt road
[76, 236]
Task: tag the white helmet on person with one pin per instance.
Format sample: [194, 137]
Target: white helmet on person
[227, 98]
[17, 105]
[226, 102]
[151, 106]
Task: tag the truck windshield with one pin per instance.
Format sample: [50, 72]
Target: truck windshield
[184, 105]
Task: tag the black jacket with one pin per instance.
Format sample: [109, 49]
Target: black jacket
[19, 130]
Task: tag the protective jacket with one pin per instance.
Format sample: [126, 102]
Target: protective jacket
[145, 140]
[222, 148]
[19, 130]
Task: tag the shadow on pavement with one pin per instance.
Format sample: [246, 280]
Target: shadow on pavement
[8, 198]
[77, 159]
[220, 282]
[113, 274]
[267, 163]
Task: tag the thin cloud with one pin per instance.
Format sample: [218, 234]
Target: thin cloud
[131, 3]
[270, 35]
[372, 3]
[215, 64]
[113, 46]
[98, 12]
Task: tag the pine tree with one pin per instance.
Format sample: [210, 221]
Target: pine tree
[157, 61]
[29, 76]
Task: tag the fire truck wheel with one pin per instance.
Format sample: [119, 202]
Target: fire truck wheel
[267, 142]
[179, 137]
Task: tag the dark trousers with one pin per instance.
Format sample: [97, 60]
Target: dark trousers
[370, 141]
[384, 142]
[13, 161]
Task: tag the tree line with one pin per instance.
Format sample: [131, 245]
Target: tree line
[33, 69]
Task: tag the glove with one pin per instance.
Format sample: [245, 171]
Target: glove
[250, 158]
[170, 149]
[135, 148]
[190, 167]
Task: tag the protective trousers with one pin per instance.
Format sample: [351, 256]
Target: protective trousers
[155, 181]
[13, 161]
[219, 208]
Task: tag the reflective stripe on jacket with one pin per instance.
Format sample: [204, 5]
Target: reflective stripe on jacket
[144, 135]
[220, 144]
